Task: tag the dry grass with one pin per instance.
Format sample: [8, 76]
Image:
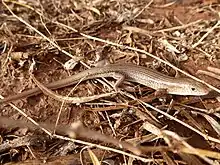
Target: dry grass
[134, 127]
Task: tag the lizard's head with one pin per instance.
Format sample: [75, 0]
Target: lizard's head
[189, 87]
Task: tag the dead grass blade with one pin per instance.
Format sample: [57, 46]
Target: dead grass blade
[93, 157]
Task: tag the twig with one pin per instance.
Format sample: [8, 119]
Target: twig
[178, 27]
[41, 34]
[208, 74]
[215, 70]
[205, 35]
[175, 119]
[26, 116]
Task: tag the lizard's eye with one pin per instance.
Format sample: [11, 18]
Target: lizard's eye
[193, 89]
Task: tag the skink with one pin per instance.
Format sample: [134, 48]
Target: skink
[128, 72]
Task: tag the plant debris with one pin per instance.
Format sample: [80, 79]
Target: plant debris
[138, 125]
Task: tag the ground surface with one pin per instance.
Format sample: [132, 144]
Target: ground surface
[41, 31]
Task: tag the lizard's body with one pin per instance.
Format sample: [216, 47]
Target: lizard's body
[129, 72]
